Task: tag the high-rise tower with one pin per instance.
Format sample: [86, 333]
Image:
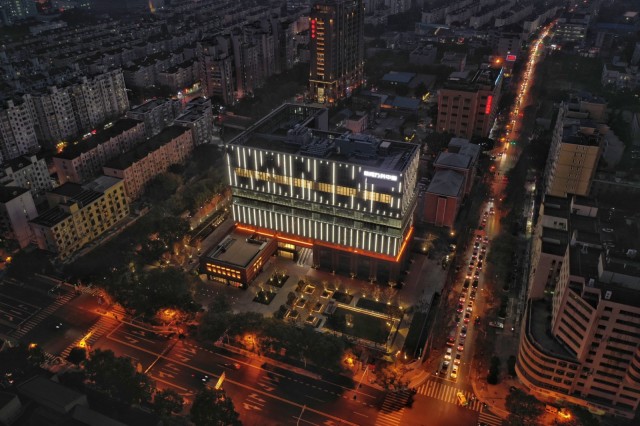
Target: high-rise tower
[337, 48]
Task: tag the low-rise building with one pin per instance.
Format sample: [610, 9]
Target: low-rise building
[140, 165]
[80, 162]
[443, 198]
[79, 215]
[16, 210]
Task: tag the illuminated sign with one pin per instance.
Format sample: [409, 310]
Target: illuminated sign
[383, 176]
[313, 28]
[487, 108]
[511, 58]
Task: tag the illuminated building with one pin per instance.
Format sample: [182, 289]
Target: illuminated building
[349, 197]
[468, 103]
[337, 48]
[580, 339]
[79, 215]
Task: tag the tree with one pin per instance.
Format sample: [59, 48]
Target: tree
[214, 408]
[77, 355]
[118, 378]
[525, 407]
[167, 402]
[494, 371]
[163, 184]
[420, 90]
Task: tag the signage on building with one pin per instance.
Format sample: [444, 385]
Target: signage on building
[511, 58]
[382, 176]
[313, 28]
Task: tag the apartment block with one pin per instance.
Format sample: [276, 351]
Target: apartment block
[337, 49]
[216, 69]
[16, 210]
[468, 102]
[55, 116]
[156, 114]
[79, 215]
[198, 116]
[580, 339]
[12, 11]
[576, 147]
[143, 163]
[80, 162]
[17, 130]
[29, 172]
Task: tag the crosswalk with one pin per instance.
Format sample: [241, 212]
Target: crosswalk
[448, 393]
[305, 256]
[105, 324]
[28, 325]
[393, 407]
[489, 419]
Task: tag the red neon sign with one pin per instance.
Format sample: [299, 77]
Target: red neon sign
[313, 28]
[487, 108]
[511, 58]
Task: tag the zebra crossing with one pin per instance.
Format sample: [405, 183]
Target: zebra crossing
[105, 324]
[447, 393]
[393, 407]
[305, 256]
[28, 325]
[489, 419]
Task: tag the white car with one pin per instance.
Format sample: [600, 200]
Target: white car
[447, 355]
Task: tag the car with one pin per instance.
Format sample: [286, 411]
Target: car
[476, 321]
[462, 298]
[467, 318]
[58, 326]
[476, 244]
[472, 262]
[460, 309]
[451, 340]
[481, 257]
[475, 284]
[463, 331]
[472, 295]
[457, 359]
[485, 239]
[457, 319]
[480, 266]
[454, 372]
[470, 304]
[469, 308]
[447, 354]
[478, 237]
[476, 274]
[484, 249]
[466, 284]
[474, 255]
[234, 365]
[496, 324]
[492, 210]
[461, 345]
[445, 365]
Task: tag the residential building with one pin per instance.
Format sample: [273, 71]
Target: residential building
[55, 116]
[147, 160]
[79, 215]
[424, 54]
[576, 147]
[17, 129]
[239, 258]
[80, 162]
[348, 197]
[16, 210]
[455, 60]
[337, 49]
[181, 76]
[580, 340]
[29, 172]
[443, 198]
[468, 102]
[198, 116]
[572, 28]
[12, 11]
[216, 69]
[156, 114]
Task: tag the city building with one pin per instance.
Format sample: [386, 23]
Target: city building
[147, 160]
[576, 147]
[216, 69]
[425, 54]
[198, 116]
[348, 197]
[80, 214]
[17, 130]
[12, 11]
[468, 102]
[16, 210]
[580, 340]
[80, 162]
[30, 172]
[156, 114]
[239, 258]
[337, 49]
[443, 198]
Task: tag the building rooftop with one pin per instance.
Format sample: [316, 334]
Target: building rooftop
[149, 105]
[538, 324]
[142, 150]
[51, 394]
[446, 182]
[238, 249]
[398, 77]
[452, 159]
[572, 133]
[82, 146]
[290, 129]
[483, 79]
[8, 193]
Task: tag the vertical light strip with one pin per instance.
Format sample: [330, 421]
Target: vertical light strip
[333, 183]
[290, 176]
[375, 242]
[351, 237]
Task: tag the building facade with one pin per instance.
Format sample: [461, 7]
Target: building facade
[198, 116]
[143, 163]
[156, 114]
[580, 339]
[83, 161]
[350, 198]
[337, 49]
[30, 172]
[17, 130]
[80, 214]
[468, 103]
[16, 210]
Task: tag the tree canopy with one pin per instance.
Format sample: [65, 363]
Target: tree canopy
[214, 408]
